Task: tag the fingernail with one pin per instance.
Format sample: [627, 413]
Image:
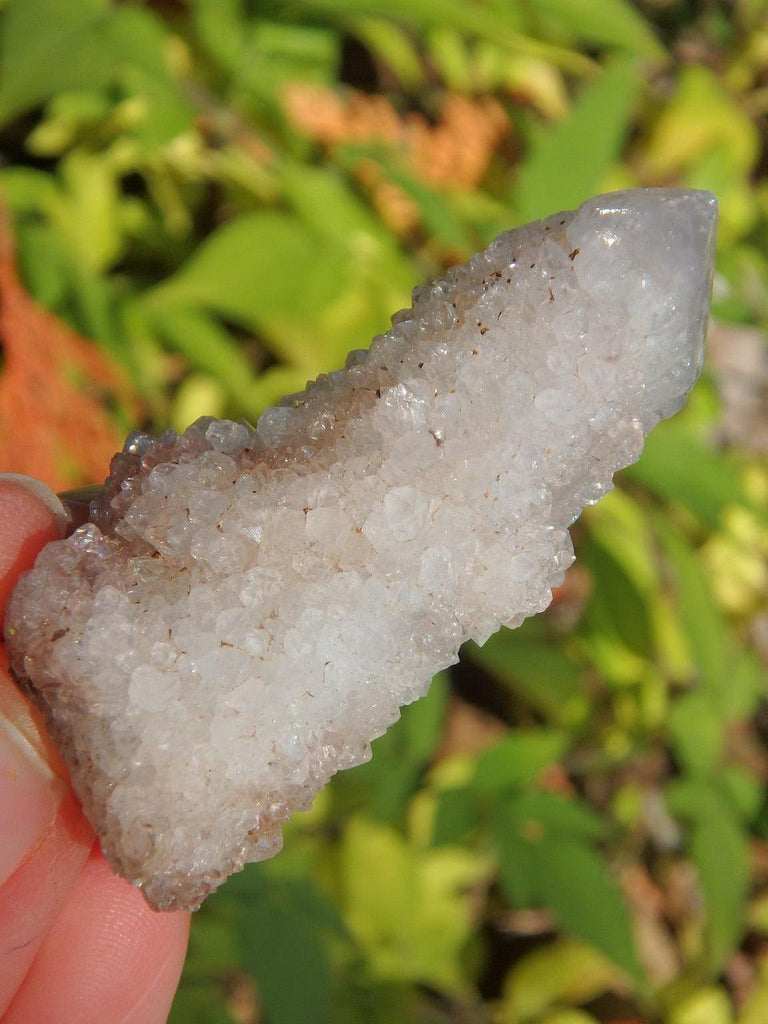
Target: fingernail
[30, 796]
[43, 493]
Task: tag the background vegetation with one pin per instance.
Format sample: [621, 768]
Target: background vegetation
[224, 196]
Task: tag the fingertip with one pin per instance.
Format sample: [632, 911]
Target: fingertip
[42, 493]
[33, 896]
[30, 517]
[108, 957]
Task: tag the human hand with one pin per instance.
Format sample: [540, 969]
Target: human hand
[77, 944]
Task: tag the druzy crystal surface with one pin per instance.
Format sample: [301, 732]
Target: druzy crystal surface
[251, 607]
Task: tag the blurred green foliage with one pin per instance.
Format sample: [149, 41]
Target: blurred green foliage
[572, 827]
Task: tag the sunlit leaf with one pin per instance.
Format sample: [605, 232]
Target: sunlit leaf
[138, 43]
[560, 972]
[569, 160]
[700, 116]
[680, 468]
[704, 623]
[208, 347]
[254, 268]
[500, 24]
[708, 1005]
[569, 1017]
[615, 23]
[47, 47]
[409, 909]
[393, 45]
[617, 606]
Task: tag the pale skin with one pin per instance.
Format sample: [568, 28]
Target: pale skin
[77, 944]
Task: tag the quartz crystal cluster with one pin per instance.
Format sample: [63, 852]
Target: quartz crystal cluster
[250, 607]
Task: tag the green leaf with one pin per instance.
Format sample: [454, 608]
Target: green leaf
[702, 116]
[219, 28]
[44, 262]
[569, 161]
[617, 606]
[719, 841]
[208, 347]
[393, 46]
[450, 54]
[749, 685]
[550, 817]
[539, 670]
[704, 623]
[138, 41]
[49, 47]
[559, 972]
[621, 527]
[283, 927]
[27, 190]
[87, 214]
[199, 394]
[499, 23]
[698, 732]
[566, 875]
[255, 267]
[410, 909]
[517, 866]
[518, 759]
[213, 947]
[276, 53]
[708, 1004]
[577, 886]
[199, 1003]
[679, 467]
[615, 23]
[523, 824]
[263, 270]
[745, 791]
[422, 722]
[456, 814]
[720, 850]
[327, 203]
[569, 1017]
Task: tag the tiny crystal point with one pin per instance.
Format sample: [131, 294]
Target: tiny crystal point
[250, 607]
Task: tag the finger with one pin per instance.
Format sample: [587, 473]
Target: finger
[30, 516]
[107, 958]
[32, 780]
[45, 839]
[33, 897]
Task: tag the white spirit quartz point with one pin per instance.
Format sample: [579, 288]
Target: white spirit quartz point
[251, 607]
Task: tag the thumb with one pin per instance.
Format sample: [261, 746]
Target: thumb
[32, 779]
[30, 516]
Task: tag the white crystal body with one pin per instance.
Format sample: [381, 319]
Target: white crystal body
[252, 607]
